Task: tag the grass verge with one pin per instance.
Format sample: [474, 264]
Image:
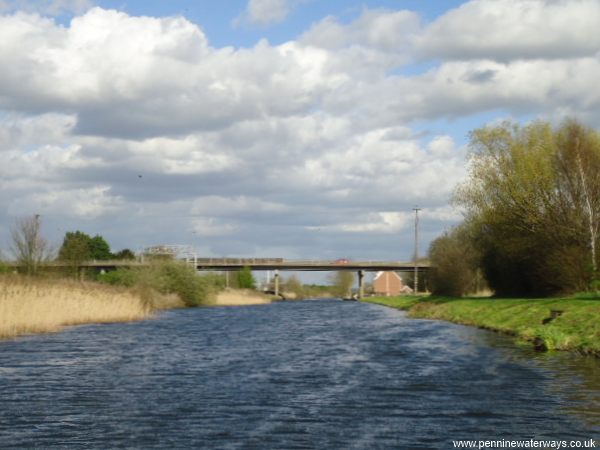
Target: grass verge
[554, 324]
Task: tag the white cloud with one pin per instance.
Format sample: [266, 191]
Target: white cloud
[382, 222]
[375, 29]
[209, 227]
[511, 29]
[461, 88]
[141, 77]
[141, 124]
[235, 206]
[17, 131]
[442, 146]
[444, 213]
[46, 7]
[377, 41]
[265, 12]
[89, 203]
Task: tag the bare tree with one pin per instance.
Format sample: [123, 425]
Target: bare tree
[28, 245]
[342, 282]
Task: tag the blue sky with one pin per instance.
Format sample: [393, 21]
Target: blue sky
[217, 18]
[283, 128]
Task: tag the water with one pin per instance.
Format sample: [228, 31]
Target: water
[296, 375]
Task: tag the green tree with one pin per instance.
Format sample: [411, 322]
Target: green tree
[74, 250]
[246, 279]
[99, 248]
[75, 247]
[125, 254]
[533, 203]
[455, 264]
[408, 277]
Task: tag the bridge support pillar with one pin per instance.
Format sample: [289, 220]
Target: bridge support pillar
[361, 287]
[276, 280]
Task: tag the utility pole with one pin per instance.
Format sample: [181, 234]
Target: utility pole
[416, 209]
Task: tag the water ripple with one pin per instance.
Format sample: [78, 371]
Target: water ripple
[298, 375]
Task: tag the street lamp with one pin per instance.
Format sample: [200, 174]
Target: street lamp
[416, 209]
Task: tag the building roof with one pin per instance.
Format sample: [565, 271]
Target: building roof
[379, 274]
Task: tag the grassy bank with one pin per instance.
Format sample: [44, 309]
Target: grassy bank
[554, 324]
[39, 306]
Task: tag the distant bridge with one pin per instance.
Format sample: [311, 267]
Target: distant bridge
[229, 264]
[302, 265]
[277, 264]
[274, 264]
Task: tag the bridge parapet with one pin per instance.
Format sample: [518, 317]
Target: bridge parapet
[256, 264]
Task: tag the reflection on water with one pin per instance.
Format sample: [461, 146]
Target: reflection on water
[319, 374]
[577, 380]
[569, 376]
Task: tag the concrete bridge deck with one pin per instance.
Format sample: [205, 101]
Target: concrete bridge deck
[270, 264]
[304, 265]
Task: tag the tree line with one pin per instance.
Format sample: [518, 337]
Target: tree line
[531, 208]
[31, 249]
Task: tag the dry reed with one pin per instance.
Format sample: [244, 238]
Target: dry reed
[38, 306]
[240, 297]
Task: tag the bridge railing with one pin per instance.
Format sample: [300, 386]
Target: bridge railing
[237, 262]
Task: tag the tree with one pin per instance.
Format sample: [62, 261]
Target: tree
[99, 248]
[246, 279]
[408, 277]
[342, 282]
[74, 250]
[78, 247]
[124, 254]
[28, 245]
[293, 284]
[533, 204]
[578, 164]
[75, 247]
[454, 264]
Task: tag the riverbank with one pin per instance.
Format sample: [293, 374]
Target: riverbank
[41, 306]
[38, 305]
[550, 324]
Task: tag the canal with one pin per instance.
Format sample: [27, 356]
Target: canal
[322, 374]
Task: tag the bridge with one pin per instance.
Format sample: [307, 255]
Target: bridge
[278, 264]
[274, 264]
[302, 265]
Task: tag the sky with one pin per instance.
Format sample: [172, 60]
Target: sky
[272, 128]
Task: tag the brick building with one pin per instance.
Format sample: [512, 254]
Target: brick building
[388, 284]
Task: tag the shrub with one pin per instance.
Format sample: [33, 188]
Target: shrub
[168, 277]
[183, 280]
[454, 270]
[120, 277]
[4, 268]
[293, 284]
[246, 279]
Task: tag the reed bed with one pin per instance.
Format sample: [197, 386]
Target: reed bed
[240, 297]
[41, 306]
